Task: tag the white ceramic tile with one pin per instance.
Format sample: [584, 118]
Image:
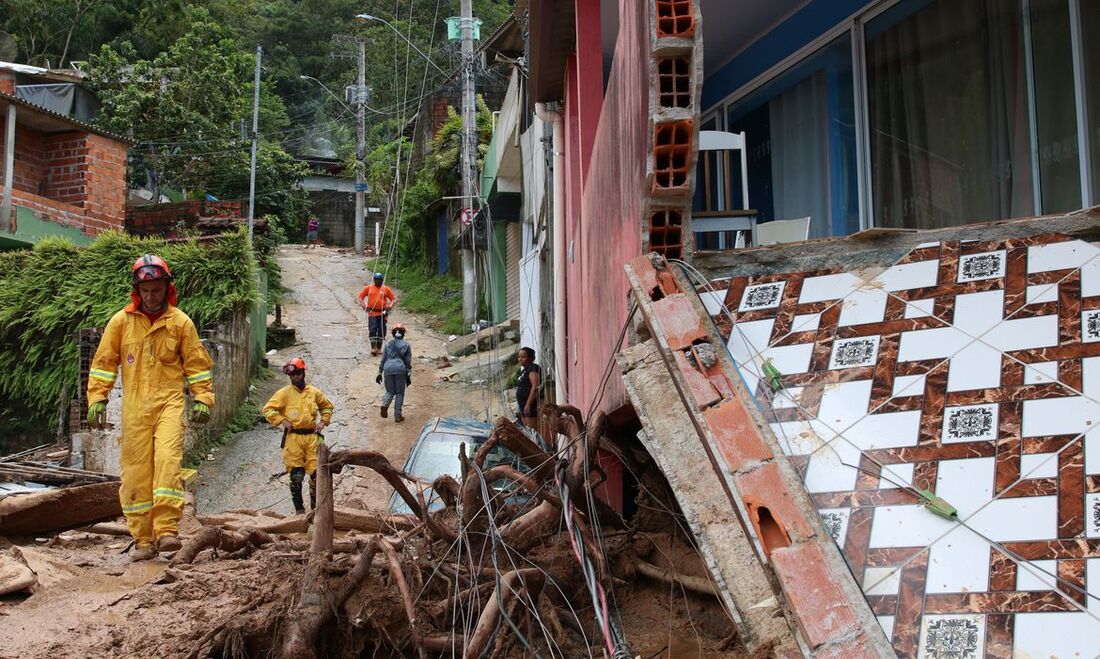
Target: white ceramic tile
[1040, 372]
[747, 340]
[919, 308]
[952, 636]
[827, 470]
[1090, 278]
[906, 526]
[797, 437]
[854, 352]
[835, 521]
[1090, 326]
[1069, 634]
[762, 296]
[1036, 575]
[966, 484]
[908, 385]
[1071, 415]
[923, 245]
[713, 301]
[1042, 293]
[787, 398]
[1092, 452]
[969, 423]
[1092, 515]
[977, 366]
[866, 305]
[986, 265]
[906, 276]
[958, 562]
[1039, 465]
[1016, 519]
[828, 287]
[1059, 256]
[881, 581]
[896, 475]
[887, 624]
[805, 322]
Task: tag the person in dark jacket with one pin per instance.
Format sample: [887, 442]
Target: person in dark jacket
[396, 369]
[527, 387]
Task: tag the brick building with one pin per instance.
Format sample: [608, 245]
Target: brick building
[66, 177]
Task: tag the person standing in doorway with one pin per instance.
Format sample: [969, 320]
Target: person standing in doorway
[159, 352]
[377, 299]
[396, 369]
[312, 229]
[527, 387]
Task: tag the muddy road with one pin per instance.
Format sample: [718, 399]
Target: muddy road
[331, 333]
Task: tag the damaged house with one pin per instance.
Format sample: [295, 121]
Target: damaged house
[832, 267]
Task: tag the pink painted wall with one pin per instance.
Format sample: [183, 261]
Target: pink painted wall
[606, 232]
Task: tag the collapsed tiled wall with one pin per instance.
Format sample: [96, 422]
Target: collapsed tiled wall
[676, 55]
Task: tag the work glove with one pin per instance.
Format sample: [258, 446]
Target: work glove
[408, 380]
[94, 411]
[200, 413]
[378, 379]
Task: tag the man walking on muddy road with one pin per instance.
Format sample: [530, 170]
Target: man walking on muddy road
[396, 369]
[159, 351]
[377, 300]
[295, 410]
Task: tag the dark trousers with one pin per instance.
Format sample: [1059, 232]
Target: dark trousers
[376, 330]
[395, 388]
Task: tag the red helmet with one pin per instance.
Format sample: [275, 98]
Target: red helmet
[150, 267]
[293, 365]
[398, 327]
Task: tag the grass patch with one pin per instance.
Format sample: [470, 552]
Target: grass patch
[439, 296]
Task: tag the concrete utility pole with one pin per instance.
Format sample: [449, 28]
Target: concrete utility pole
[255, 140]
[469, 146]
[360, 146]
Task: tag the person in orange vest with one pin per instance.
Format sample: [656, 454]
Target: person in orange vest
[302, 412]
[377, 299]
[159, 352]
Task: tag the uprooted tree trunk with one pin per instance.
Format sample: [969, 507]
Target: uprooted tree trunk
[424, 582]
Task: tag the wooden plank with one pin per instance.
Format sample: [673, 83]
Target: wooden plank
[59, 509]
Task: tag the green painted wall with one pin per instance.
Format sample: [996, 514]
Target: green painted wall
[30, 229]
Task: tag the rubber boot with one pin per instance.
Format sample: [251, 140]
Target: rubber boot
[143, 553]
[384, 411]
[313, 491]
[297, 475]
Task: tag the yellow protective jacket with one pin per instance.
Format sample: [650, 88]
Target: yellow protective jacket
[157, 360]
[298, 407]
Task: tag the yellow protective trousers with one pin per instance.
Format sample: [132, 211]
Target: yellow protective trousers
[152, 490]
[301, 451]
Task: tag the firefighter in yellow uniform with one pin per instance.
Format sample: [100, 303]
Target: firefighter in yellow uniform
[158, 349]
[295, 409]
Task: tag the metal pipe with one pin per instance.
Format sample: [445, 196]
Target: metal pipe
[560, 362]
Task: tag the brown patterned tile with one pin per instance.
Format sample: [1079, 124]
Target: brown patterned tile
[999, 636]
[910, 606]
[1071, 490]
[1072, 574]
[998, 602]
[1002, 571]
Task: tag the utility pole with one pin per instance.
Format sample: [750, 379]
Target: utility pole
[255, 140]
[360, 146]
[469, 145]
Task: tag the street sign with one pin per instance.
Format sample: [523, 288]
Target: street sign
[467, 216]
[362, 187]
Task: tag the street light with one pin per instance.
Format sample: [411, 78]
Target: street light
[342, 104]
[363, 18]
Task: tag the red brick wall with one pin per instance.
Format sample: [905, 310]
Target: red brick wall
[164, 219]
[7, 82]
[73, 178]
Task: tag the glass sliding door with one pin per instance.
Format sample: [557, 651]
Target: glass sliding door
[1090, 28]
[800, 129]
[950, 134]
[1055, 113]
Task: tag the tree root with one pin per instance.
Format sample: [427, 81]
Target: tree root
[219, 539]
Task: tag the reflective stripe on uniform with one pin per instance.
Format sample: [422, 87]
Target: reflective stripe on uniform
[168, 493]
[135, 508]
[106, 376]
[270, 413]
[198, 377]
[327, 410]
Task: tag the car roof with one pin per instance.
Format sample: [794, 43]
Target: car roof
[457, 426]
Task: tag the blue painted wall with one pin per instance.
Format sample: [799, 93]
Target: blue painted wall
[799, 29]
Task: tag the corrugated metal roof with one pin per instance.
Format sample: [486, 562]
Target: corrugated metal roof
[74, 123]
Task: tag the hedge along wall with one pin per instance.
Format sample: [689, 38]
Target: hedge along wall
[49, 292]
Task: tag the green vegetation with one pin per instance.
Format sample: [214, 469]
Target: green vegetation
[49, 292]
[428, 293]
